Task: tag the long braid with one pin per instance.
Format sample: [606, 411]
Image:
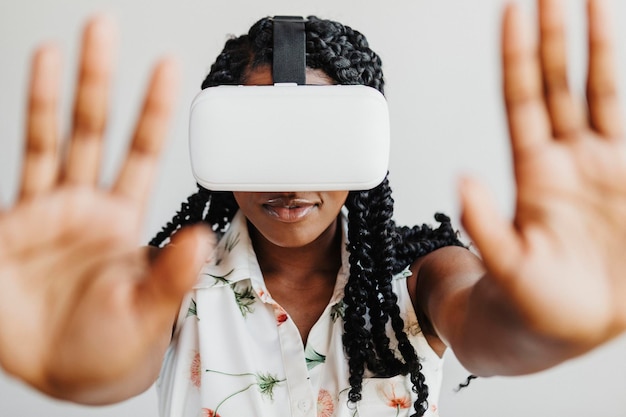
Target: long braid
[375, 215]
[388, 236]
[372, 211]
[378, 249]
[357, 338]
[379, 219]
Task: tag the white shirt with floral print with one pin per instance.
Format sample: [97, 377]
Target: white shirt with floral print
[236, 353]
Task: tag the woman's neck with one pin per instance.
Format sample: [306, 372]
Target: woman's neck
[301, 279]
[319, 259]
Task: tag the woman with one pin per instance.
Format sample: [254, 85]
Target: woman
[551, 286]
[296, 278]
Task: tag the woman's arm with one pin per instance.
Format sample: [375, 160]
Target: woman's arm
[469, 313]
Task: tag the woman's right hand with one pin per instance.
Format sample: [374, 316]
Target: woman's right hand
[85, 314]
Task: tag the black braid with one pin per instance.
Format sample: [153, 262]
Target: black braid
[374, 259]
[378, 248]
[215, 208]
[357, 338]
[190, 213]
[382, 200]
[423, 239]
[341, 52]
[231, 65]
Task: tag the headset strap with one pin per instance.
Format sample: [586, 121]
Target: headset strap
[289, 50]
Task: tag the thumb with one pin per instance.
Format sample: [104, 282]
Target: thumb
[493, 235]
[176, 267]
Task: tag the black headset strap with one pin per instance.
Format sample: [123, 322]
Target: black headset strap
[289, 50]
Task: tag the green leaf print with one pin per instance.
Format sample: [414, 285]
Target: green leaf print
[265, 382]
[406, 272]
[313, 358]
[337, 311]
[221, 279]
[192, 311]
[245, 299]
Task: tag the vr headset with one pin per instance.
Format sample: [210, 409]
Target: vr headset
[289, 136]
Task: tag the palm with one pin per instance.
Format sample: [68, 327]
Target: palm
[85, 301]
[51, 289]
[559, 260]
[569, 205]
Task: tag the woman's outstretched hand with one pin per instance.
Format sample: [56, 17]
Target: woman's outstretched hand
[85, 314]
[561, 261]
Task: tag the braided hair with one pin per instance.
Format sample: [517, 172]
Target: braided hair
[378, 248]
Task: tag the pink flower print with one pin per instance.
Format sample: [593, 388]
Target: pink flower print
[325, 404]
[196, 370]
[394, 394]
[281, 318]
[281, 315]
[263, 296]
[206, 412]
[434, 409]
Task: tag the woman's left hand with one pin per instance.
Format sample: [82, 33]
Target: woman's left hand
[561, 261]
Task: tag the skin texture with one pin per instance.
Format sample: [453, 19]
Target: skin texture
[549, 286]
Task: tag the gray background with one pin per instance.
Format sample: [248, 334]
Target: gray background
[442, 69]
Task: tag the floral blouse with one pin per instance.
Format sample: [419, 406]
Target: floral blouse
[236, 353]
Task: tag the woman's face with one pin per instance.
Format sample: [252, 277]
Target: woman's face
[291, 219]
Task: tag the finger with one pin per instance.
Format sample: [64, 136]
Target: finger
[527, 117]
[605, 112]
[566, 116]
[39, 169]
[494, 236]
[176, 269]
[91, 102]
[136, 176]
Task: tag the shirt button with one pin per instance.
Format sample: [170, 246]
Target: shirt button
[304, 405]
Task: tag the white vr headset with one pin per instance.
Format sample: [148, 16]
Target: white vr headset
[289, 136]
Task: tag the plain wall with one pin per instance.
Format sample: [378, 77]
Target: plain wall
[443, 85]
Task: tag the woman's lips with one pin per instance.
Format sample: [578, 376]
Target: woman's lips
[287, 209]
